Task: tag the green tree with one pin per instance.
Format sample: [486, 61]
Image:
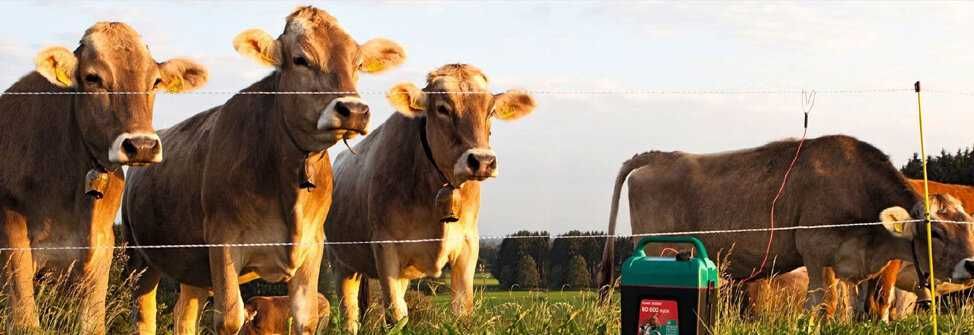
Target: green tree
[527, 276]
[513, 249]
[577, 274]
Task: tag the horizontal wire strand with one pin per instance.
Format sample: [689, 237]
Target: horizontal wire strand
[538, 92]
[430, 240]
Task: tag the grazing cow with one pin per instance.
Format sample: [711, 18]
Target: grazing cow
[254, 170]
[418, 177]
[838, 179]
[895, 274]
[62, 181]
[271, 315]
[878, 294]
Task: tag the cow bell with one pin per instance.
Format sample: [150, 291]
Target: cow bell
[96, 181]
[448, 203]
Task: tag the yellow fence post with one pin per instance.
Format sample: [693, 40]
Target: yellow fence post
[926, 211]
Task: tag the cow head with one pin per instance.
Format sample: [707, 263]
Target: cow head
[458, 108]
[315, 54]
[953, 244]
[117, 128]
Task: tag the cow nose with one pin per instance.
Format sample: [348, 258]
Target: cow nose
[348, 114]
[136, 149]
[482, 164]
[346, 109]
[969, 266]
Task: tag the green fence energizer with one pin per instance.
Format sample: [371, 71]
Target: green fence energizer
[669, 295]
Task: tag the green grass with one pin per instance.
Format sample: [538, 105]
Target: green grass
[497, 311]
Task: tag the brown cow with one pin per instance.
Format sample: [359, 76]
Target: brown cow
[837, 180]
[58, 144]
[254, 170]
[963, 193]
[271, 315]
[435, 142]
[878, 293]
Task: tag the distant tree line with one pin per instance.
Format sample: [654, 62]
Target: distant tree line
[956, 168]
[532, 260]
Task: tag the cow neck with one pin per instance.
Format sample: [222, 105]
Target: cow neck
[429, 153]
[304, 179]
[96, 179]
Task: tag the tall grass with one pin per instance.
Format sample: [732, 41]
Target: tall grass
[58, 296]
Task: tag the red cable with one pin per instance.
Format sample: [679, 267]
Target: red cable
[781, 190]
[663, 252]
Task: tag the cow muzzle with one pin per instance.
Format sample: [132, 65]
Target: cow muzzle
[964, 270]
[136, 149]
[345, 117]
[476, 164]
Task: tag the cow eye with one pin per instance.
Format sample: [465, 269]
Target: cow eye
[300, 61]
[93, 79]
[156, 84]
[443, 110]
[937, 234]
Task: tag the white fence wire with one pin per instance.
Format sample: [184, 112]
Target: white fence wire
[482, 238]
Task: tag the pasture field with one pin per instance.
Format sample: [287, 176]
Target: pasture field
[496, 312]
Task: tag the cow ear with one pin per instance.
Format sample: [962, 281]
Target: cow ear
[259, 46]
[58, 65]
[512, 105]
[250, 312]
[181, 75]
[379, 54]
[408, 99]
[894, 219]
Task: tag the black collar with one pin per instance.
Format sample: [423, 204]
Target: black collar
[429, 152]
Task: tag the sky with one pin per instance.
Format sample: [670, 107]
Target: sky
[557, 165]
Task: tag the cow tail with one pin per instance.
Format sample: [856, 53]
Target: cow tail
[606, 274]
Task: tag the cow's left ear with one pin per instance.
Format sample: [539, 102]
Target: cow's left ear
[379, 54]
[407, 99]
[512, 105]
[181, 75]
[57, 64]
[894, 219]
[250, 312]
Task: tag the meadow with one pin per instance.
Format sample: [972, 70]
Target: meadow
[496, 311]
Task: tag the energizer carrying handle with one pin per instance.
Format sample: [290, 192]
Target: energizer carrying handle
[701, 251]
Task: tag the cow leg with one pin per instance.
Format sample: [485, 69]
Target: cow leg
[832, 292]
[818, 287]
[95, 275]
[186, 313]
[461, 279]
[19, 270]
[145, 301]
[228, 304]
[880, 298]
[348, 291]
[302, 290]
[393, 290]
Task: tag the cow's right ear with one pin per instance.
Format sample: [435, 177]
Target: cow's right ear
[259, 46]
[407, 99]
[58, 65]
[895, 220]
